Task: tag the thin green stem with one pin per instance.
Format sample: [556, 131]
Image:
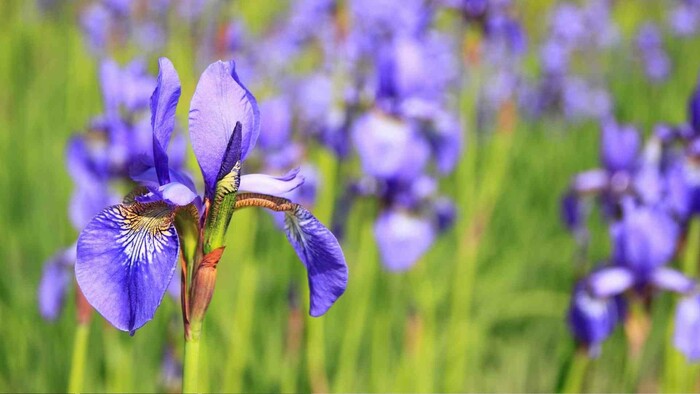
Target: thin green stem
[77, 371]
[577, 372]
[190, 368]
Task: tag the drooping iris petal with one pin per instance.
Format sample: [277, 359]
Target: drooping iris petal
[55, 279]
[275, 186]
[686, 337]
[163, 105]
[610, 281]
[571, 211]
[591, 319]
[219, 102]
[670, 279]
[402, 238]
[126, 258]
[320, 252]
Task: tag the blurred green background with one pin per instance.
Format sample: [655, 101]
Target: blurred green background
[484, 310]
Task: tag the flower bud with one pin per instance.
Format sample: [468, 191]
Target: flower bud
[203, 286]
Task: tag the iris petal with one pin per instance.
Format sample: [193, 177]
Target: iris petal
[163, 104]
[219, 102]
[125, 260]
[610, 281]
[402, 238]
[670, 279]
[320, 252]
[55, 279]
[687, 327]
[275, 186]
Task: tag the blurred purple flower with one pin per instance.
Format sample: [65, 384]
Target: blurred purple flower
[402, 238]
[591, 319]
[55, 279]
[686, 336]
[96, 23]
[657, 64]
[619, 147]
[684, 18]
[276, 124]
[386, 145]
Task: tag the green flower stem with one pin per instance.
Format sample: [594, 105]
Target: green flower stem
[190, 368]
[573, 382]
[77, 371]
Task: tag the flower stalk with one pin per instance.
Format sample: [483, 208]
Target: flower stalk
[80, 341]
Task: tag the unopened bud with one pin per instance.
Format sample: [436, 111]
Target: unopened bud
[203, 285]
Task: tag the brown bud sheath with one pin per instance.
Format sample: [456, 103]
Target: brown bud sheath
[83, 308]
[203, 283]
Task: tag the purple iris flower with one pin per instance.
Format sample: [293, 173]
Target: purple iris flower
[55, 279]
[389, 147]
[96, 21]
[127, 255]
[591, 319]
[403, 238]
[276, 126]
[684, 18]
[644, 242]
[657, 64]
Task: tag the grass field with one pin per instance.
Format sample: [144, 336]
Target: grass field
[484, 310]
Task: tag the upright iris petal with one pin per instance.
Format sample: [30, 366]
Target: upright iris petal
[619, 146]
[645, 239]
[126, 258]
[163, 105]
[320, 252]
[218, 104]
